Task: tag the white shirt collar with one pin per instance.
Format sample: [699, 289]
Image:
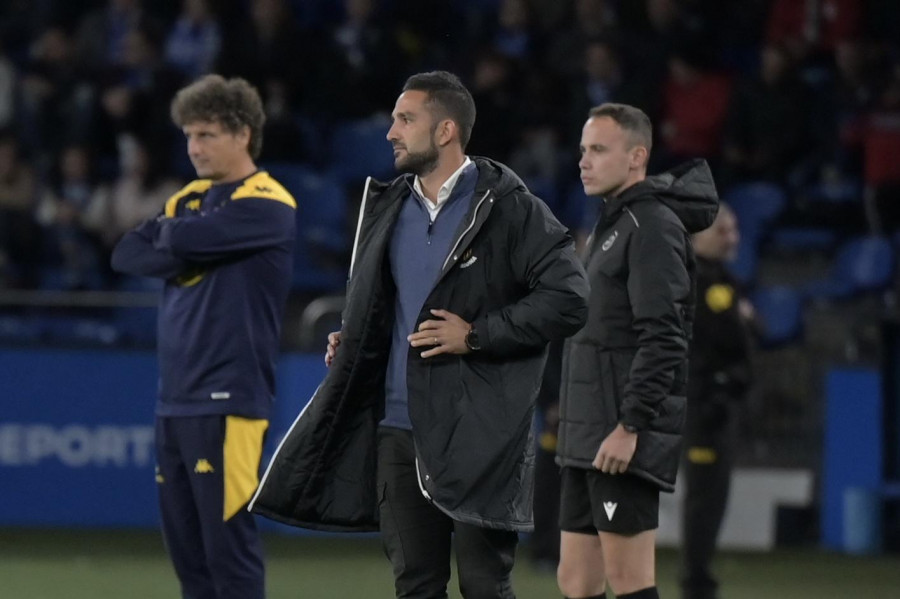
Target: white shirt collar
[443, 193]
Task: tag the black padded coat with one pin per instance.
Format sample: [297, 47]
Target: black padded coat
[513, 272]
[629, 363]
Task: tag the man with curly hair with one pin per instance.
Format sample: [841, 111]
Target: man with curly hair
[224, 246]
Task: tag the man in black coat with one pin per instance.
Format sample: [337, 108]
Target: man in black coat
[624, 374]
[423, 426]
[720, 375]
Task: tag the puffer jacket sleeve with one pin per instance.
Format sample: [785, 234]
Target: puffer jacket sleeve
[543, 258]
[659, 286]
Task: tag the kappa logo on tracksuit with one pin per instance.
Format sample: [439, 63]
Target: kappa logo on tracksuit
[203, 467]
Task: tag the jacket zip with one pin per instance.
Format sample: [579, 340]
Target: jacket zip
[467, 229]
[362, 211]
[419, 480]
[265, 476]
[452, 250]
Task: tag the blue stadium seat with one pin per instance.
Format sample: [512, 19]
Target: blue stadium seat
[780, 308]
[321, 205]
[360, 149]
[323, 236]
[315, 14]
[137, 324]
[756, 204]
[69, 330]
[861, 265]
[545, 188]
[576, 211]
[54, 278]
[20, 330]
[746, 261]
[840, 190]
[793, 239]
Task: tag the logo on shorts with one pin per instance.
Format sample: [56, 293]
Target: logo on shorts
[203, 467]
[610, 509]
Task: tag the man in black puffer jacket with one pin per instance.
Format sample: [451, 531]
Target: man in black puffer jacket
[624, 374]
[422, 427]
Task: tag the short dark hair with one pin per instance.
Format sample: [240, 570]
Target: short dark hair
[449, 99]
[631, 119]
[233, 103]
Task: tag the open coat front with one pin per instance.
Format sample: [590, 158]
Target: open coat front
[513, 273]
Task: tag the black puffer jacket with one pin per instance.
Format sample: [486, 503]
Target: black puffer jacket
[629, 363]
[513, 272]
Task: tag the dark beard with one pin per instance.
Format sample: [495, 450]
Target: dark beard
[420, 163]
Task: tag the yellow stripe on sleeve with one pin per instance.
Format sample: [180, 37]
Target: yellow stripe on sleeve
[242, 455]
[262, 185]
[198, 186]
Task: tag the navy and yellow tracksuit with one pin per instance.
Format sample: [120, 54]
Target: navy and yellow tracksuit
[225, 252]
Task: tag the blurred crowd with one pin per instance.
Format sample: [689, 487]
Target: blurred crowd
[802, 94]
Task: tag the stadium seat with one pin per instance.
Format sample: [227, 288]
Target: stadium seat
[796, 239]
[137, 324]
[321, 205]
[322, 226]
[756, 204]
[780, 308]
[840, 191]
[19, 330]
[575, 211]
[545, 188]
[861, 265]
[360, 149]
[68, 330]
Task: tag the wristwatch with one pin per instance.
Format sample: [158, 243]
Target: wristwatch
[629, 428]
[472, 341]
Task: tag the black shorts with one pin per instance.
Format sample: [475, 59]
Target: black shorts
[592, 501]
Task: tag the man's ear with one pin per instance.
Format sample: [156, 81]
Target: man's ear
[639, 157]
[446, 132]
[243, 135]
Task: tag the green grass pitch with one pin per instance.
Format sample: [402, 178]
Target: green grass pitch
[54, 564]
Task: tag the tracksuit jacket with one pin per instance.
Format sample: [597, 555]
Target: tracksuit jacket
[226, 254]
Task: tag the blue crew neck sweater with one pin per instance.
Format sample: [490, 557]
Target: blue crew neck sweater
[418, 249]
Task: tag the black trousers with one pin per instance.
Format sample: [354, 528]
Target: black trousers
[416, 535]
[545, 539]
[710, 440]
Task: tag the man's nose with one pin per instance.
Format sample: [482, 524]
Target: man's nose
[392, 134]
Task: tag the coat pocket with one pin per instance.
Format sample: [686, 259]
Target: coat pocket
[612, 384]
[670, 415]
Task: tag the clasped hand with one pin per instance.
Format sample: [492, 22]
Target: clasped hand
[446, 334]
[616, 451]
